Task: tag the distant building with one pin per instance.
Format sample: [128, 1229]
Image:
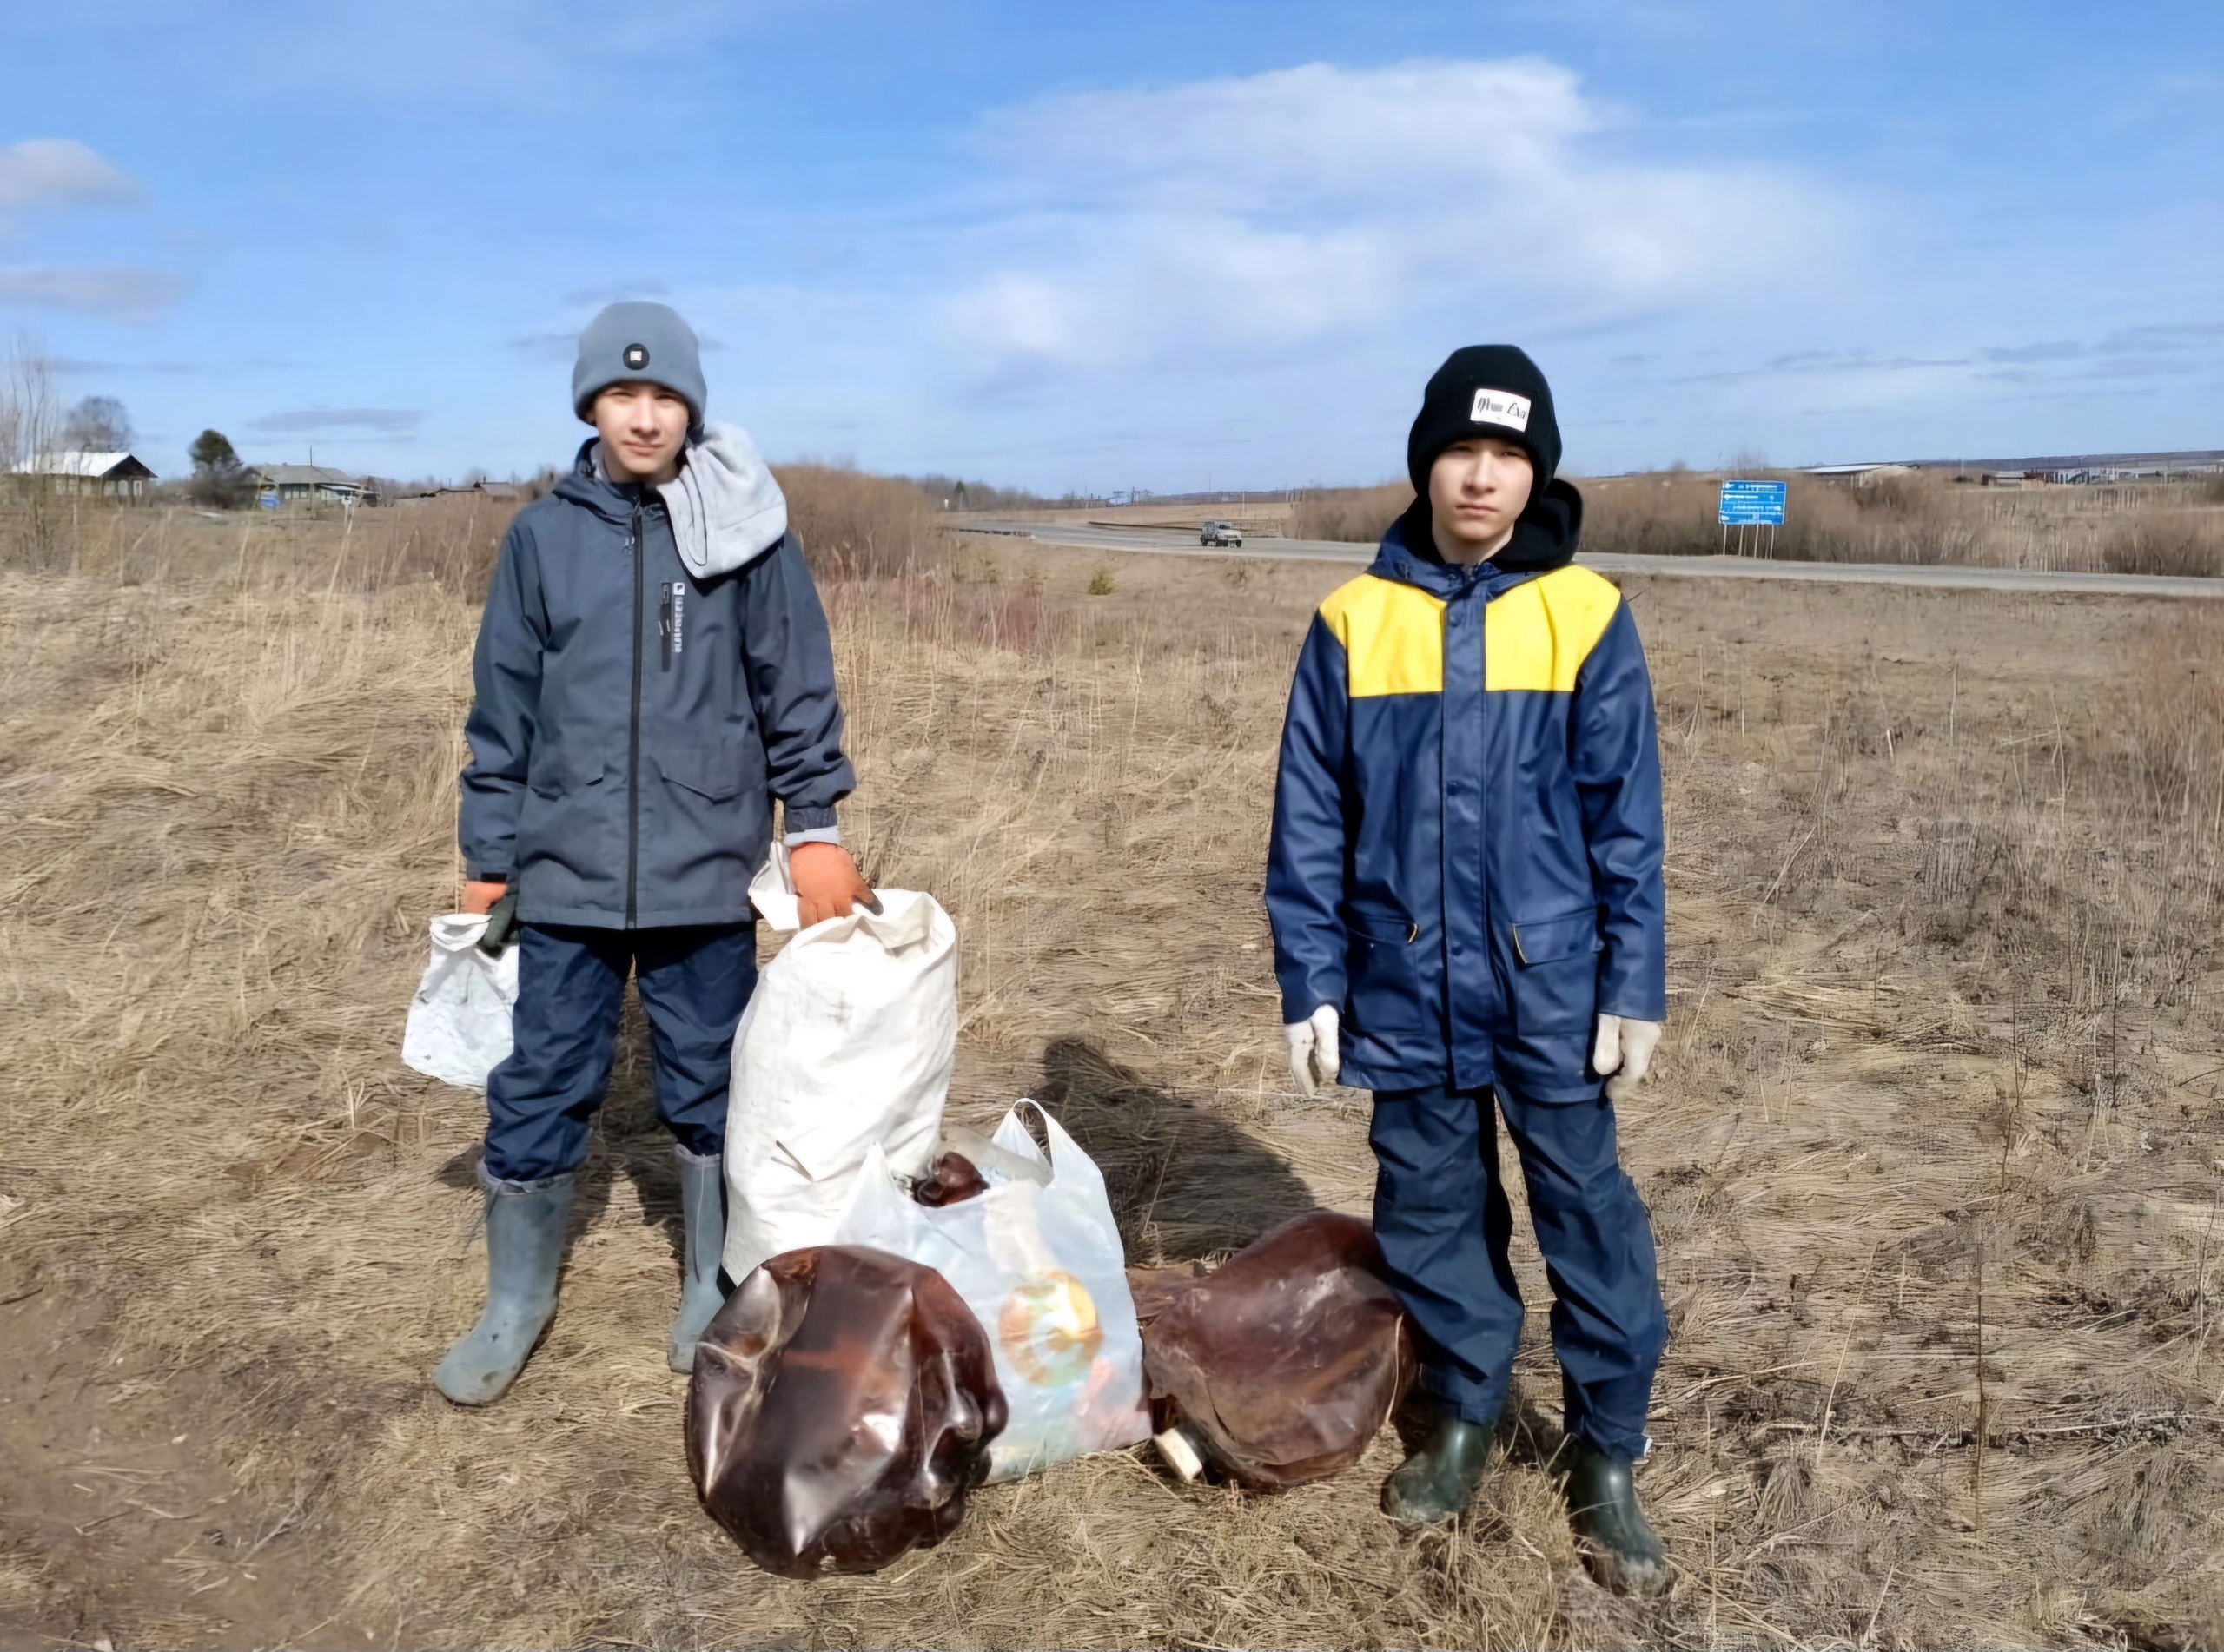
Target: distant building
[309, 485]
[515, 493]
[1868, 468]
[1860, 475]
[116, 476]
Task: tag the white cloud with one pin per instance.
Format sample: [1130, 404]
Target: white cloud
[41, 172]
[392, 422]
[1242, 218]
[121, 290]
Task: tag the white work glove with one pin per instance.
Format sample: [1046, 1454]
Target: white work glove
[1622, 1053]
[1314, 1056]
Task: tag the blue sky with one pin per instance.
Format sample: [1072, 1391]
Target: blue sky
[1165, 245]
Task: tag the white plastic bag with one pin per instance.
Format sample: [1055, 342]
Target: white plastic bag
[459, 1026]
[845, 1048]
[1037, 1258]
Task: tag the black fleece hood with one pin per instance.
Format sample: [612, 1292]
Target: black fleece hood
[1545, 535]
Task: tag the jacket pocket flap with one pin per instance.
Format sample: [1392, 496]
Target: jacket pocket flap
[1550, 939]
[1381, 925]
[715, 775]
[550, 775]
[555, 773]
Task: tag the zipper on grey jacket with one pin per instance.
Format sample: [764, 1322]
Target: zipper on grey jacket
[633, 745]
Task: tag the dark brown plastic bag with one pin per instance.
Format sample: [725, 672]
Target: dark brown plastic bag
[842, 1407]
[1285, 1360]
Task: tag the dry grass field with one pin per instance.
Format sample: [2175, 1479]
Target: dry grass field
[1935, 1153]
[1922, 516]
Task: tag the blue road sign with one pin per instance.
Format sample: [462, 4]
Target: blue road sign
[1750, 504]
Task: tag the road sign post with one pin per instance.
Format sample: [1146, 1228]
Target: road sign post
[1752, 505]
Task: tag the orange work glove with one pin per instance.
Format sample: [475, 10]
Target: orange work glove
[479, 898]
[827, 881]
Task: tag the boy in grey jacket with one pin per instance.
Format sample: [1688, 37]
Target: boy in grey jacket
[653, 672]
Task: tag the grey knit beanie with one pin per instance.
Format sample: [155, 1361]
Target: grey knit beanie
[637, 343]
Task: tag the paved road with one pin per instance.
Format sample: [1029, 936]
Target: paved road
[1184, 542]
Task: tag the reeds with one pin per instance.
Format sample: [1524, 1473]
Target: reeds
[1919, 517]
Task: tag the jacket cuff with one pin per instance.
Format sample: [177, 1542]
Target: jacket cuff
[806, 820]
[815, 835]
[480, 872]
[1633, 1004]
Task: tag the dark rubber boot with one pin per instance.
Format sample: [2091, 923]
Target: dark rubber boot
[525, 1249]
[703, 1222]
[1434, 1483]
[1619, 1543]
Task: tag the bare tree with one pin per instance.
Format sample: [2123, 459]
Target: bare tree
[31, 405]
[30, 424]
[97, 425]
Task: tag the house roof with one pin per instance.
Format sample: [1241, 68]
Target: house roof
[93, 464]
[302, 476]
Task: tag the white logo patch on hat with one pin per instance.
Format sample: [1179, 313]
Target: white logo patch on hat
[1500, 407]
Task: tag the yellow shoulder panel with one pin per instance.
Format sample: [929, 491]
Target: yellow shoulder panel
[1392, 636]
[1538, 635]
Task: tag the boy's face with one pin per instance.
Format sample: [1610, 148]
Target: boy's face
[643, 427]
[1476, 491]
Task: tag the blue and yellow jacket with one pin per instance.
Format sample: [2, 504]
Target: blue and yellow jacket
[1468, 838]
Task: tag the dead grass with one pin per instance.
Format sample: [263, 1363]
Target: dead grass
[1943, 879]
[1359, 515]
[1921, 518]
[852, 525]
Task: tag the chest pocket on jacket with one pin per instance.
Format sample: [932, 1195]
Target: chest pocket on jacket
[1556, 973]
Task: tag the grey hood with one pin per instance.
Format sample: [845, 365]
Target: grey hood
[726, 510]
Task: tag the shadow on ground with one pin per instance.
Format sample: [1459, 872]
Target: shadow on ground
[625, 1140]
[1184, 1182]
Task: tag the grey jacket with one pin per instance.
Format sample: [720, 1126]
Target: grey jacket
[641, 698]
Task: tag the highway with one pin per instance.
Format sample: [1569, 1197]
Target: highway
[1183, 543]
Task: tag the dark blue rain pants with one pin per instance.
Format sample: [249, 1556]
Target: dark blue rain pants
[694, 983]
[1441, 1215]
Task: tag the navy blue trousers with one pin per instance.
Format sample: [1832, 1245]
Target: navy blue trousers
[1444, 1221]
[694, 984]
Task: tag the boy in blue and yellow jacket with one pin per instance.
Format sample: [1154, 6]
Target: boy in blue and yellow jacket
[1465, 884]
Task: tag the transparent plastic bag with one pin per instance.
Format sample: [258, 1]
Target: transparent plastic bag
[1284, 1361]
[1036, 1254]
[458, 1025]
[842, 1407]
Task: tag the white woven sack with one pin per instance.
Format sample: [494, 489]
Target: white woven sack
[845, 1049]
[1038, 1258]
[459, 1027]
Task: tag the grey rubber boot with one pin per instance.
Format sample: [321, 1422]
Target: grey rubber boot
[703, 1222]
[525, 1249]
[1436, 1483]
[1619, 1546]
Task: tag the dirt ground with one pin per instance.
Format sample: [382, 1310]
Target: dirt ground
[1934, 1154]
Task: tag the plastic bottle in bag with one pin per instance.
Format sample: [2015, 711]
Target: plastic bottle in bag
[842, 1407]
[950, 1178]
[1285, 1361]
